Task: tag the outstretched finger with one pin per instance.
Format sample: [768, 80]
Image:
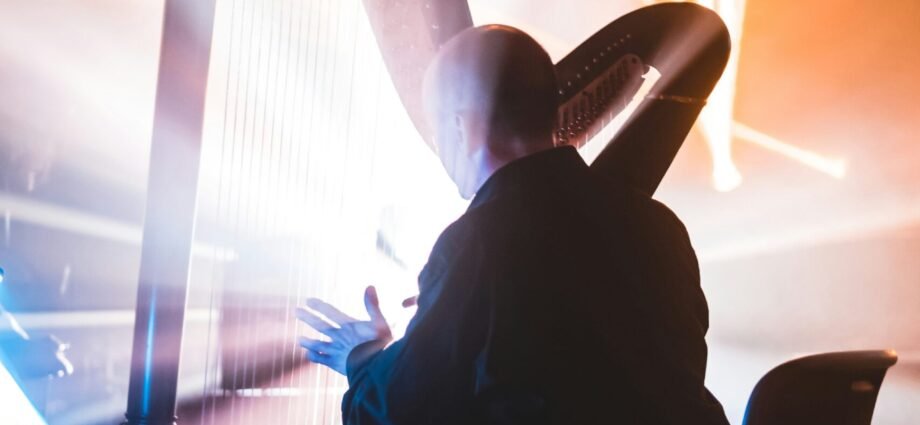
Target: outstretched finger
[372, 304]
[315, 345]
[315, 322]
[329, 311]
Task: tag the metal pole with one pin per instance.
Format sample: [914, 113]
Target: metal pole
[169, 221]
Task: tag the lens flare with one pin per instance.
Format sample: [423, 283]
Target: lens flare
[833, 167]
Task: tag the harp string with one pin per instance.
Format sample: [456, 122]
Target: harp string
[253, 168]
[326, 275]
[218, 252]
[231, 173]
[298, 178]
[291, 140]
[306, 135]
[269, 171]
[286, 159]
[257, 273]
[228, 178]
[323, 103]
[264, 146]
[334, 380]
[301, 177]
[229, 213]
[246, 186]
[284, 172]
[234, 226]
[227, 173]
[316, 138]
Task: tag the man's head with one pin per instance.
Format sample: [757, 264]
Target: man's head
[490, 96]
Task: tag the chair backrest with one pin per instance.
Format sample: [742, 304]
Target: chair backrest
[831, 388]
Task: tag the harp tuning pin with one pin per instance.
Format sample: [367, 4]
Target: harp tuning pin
[578, 76]
[587, 68]
[569, 83]
[595, 59]
[628, 35]
[561, 92]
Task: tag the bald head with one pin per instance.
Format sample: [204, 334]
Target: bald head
[490, 95]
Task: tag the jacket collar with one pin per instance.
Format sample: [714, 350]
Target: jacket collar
[539, 170]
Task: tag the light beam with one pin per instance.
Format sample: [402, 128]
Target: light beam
[834, 167]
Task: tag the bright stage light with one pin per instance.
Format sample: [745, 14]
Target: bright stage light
[716, 118]
[83, 223]
[15, 407]
[833, 167]
[725, 175]
[2, 274]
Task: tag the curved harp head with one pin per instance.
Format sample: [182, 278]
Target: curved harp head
[409, 33]
[686, 43]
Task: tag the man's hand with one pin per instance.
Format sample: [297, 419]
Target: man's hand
[345, 332]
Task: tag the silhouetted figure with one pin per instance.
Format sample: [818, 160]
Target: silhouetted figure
[557, 298]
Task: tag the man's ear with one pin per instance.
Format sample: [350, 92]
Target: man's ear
[471, 134]
[463, 133]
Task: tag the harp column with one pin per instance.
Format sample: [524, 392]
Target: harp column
[170, 212]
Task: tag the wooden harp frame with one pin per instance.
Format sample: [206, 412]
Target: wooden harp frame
[172, 192]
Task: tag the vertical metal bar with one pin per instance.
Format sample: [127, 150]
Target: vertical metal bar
[171, 200]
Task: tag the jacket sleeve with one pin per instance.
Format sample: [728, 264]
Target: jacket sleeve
[426, 375]
[674, 365]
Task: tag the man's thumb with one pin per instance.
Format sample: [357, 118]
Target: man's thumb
[372, 304]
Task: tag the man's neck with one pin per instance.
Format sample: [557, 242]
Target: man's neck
[491, 161]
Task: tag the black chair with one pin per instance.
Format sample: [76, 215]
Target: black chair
[832, 388]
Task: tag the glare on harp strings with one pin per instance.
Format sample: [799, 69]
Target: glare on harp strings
[308, 157]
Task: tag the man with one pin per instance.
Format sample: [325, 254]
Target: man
[557, 298]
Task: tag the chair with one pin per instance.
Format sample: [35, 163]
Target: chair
[831, 388]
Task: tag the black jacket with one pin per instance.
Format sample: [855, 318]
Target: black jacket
[557, 298]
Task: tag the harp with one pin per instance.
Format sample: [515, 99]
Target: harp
[273, 121]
